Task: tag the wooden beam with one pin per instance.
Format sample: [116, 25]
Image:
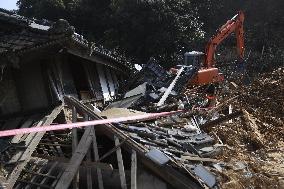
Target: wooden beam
[120, 165]
[112, 150]
[31, 143]
[221, 119]
[89, 171]
[103, 166]
[133, 170]
[96, 155]
[76, 159]
[75, 182]
[251, 123]
[221, 105]
[89, 159]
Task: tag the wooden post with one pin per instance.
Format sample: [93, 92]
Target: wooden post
[96, 155]
[120, 165]
[133, 170]
[89, 159]
[75, 182]
[76, 159]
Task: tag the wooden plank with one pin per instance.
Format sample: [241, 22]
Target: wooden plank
[133, 170]
[31, 142]
[192, 158]
[96, 155]
[103, 166]
[76, 160]
[120, 165]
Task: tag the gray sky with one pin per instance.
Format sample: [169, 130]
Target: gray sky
[8, 4]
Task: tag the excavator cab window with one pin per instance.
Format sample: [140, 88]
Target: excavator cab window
[193, 58]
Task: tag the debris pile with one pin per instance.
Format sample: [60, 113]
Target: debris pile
[239, 150]
[255, 142]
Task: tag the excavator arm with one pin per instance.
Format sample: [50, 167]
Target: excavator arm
[233, 25]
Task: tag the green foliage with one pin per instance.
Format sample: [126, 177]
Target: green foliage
[165, 29]
[139, 29]
[160, 29]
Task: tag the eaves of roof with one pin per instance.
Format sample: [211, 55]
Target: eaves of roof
[21, 35]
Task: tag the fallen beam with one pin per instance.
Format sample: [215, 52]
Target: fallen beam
[77, 158]
[221, 119]
[32, 141]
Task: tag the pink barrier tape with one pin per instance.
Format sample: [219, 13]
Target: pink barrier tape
[53, 127]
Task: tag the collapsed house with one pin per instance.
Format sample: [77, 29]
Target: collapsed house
[51, 75]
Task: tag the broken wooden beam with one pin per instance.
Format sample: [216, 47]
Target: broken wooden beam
[250, 122]
[32, 141]
[112, 150]
[75, 161]
[221, 105]
[221, 119]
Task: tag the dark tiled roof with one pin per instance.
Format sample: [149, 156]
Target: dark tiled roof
[19, 34]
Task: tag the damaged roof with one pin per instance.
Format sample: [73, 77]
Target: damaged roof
[19, 35]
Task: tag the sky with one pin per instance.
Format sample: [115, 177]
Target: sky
[8, 4]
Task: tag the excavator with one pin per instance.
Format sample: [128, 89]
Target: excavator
[207, 72]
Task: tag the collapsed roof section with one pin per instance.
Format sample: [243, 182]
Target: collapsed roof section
[41, 61]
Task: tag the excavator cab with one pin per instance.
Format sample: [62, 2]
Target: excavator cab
[194, 58]
[204, 76]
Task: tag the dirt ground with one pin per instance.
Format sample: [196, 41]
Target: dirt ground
[254, 156]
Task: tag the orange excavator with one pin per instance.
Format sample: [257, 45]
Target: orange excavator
[208, 73]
